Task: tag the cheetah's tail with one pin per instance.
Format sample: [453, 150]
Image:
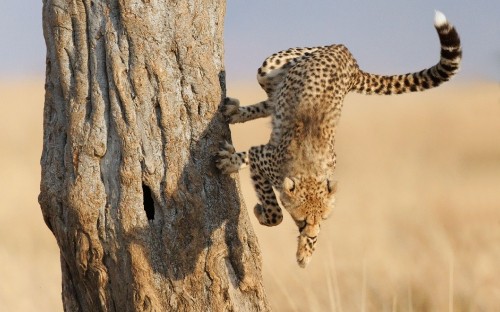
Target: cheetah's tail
[451, 55]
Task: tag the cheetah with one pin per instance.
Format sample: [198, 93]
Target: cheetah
[305, 89]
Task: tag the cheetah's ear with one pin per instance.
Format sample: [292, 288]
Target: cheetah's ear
[331, 186]
[289, 185]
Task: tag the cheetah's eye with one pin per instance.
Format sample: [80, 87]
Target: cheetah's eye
[301, 224]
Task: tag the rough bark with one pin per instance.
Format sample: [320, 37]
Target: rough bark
[143, 219]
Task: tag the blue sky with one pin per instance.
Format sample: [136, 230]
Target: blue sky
[386, 37]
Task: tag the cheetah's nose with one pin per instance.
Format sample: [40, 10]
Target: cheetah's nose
[311, 230]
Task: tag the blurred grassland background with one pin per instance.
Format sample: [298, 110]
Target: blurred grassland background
[416, 227]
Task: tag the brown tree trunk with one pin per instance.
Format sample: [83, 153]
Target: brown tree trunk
[143, 219]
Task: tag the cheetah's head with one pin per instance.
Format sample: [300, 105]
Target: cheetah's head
[309, 200]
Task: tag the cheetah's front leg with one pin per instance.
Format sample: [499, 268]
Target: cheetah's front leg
[229, 161]
[268, 212]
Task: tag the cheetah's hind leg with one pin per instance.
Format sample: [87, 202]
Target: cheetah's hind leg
[229, 161]
[234, 113]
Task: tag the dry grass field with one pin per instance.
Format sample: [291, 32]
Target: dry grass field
[416, 227]
[29, 259]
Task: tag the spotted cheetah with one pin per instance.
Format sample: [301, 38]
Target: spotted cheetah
[305, 89]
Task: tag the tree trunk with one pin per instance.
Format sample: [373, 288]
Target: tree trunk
[143, 219]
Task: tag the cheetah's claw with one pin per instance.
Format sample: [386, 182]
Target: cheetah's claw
[227, 160]
[230, 109]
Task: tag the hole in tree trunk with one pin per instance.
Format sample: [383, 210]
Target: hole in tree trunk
[149, 205]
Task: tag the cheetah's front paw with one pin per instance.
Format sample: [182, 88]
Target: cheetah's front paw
[228, 161]
[305, 249]
[269, 217]
[230, 110]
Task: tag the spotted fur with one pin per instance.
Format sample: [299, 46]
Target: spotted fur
[306, 88]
